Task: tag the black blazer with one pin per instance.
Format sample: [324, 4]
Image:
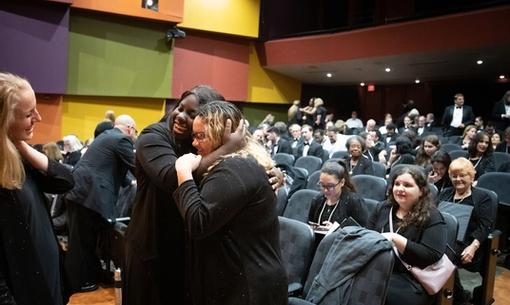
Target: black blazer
[101, 171]
[283, 146]
[468, 116]
[314, 150]
[497, 111]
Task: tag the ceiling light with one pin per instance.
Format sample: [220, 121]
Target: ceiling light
[362, 84]
[387, 69]
[417, 81]
[479, 62]
[329, 75]
[502, 76]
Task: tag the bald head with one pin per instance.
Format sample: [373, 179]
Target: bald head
[126, 124]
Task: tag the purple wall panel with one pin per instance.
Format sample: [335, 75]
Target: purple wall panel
[34, 44]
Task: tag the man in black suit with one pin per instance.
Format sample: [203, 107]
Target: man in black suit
[501, 112]
[277, 143]
[309, 147]
[457, 116]
[98, 177]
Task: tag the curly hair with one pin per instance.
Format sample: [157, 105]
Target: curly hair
[420, 211]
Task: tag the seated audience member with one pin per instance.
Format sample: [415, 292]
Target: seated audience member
[52, 151]
[72, 150]
[504, 146]
[462, 175]
[331, 144]
[401, 154]
[231, 215]
[427, 148]
[422, 125]
[259, 135]
[318, 136]
[276, 143]
[391, 134]
[373, 145]
[354, 122]
[430, 121]
[495, 140]
[370, 126]
[338, 199]
[438, 174]
[295, 137]
[388, 119]
[357, 163]
[479, 124]
[419, 233]
[309, 147]
[466, 137]
[480, 154]
[408, 125]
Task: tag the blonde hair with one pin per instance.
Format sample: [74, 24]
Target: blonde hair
[12, 173]
[52, 151]
[215, 115]
[462, 165]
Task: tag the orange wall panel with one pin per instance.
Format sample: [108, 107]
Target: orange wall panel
[222, 63]
[169, 10]
[50, 108]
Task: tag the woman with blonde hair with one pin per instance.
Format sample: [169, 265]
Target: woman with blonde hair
[230, 217]
[52, 151]
[462, 174]
[29, 264]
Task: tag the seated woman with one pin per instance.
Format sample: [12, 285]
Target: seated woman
[401, 154]
[338, 199]
[462, 174]
[466, 137]
[428, 147]
[357, 163]
[438, 172]
[480, 154]
[230, 217]
[419, 237]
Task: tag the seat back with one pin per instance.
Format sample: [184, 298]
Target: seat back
[370, 283]
[500, 158]
[340, 154]
[313, 181]
[461, 212]
[379, 169]
[281, 200]
[368, 186]
[370, 205]
[450, 146]
[296, 244]
[452, 228]
[310, 163]
[457, 153]
[284, 158]
[497, 182]
[299, 204]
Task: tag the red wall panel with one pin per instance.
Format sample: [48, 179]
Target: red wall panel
[221, 62]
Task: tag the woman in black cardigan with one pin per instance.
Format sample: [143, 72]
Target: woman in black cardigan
[337, 200]
[480, 154]
[419, 233]
[357, 163]
[462, 175]
[29, 252]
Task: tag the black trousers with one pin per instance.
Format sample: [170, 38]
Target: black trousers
[452, 131]
[82, 264]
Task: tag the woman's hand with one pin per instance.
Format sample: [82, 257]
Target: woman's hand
[469, 252]
[276, 177]
[187, 163]
[433, 177]
[234, 141]
[37, 159]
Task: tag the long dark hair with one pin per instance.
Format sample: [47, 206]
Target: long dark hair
[420, 212]
[339, 170]
[474, 142]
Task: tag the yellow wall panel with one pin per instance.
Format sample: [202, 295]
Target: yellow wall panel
[80, 114]
[270, 87]
[236, 17]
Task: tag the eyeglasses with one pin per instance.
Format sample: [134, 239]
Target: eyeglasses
[199, 136]
[327, 187]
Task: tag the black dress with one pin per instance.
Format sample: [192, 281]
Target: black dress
[155, 249]
[29, 258]
[233, 235]
[426, 244]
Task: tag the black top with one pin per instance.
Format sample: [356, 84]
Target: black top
[234, 236]
[363, 167]
[155, 235]
[426, 244]
[483, 165]
[72, 158]
[29, 258]
[349, 204]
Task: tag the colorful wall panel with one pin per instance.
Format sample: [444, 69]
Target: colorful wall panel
[116, 56]
[50, 109]
[34, 43]
[236, 17]
[221, 62]
[269, 87]
[168, 10]
[80, 114]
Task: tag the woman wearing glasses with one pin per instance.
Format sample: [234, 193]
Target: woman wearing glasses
[230, 217]
[338, 199]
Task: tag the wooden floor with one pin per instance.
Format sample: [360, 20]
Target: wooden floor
[106, 296]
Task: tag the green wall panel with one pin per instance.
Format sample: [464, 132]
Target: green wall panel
[118, 56]
[256, 112]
